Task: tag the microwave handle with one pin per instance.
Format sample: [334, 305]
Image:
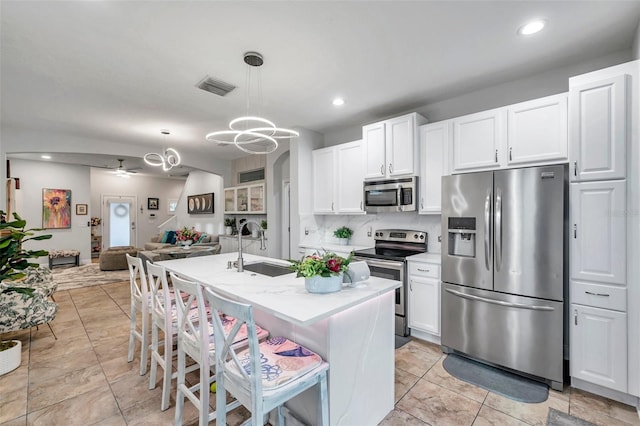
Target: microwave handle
[399, 196]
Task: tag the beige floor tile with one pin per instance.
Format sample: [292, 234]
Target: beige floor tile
[404, 382]
[416, 359]
[490, 417]
[400, 418]
[533, 414]
[68, 329]
[57, 389]
[148, 412]
[133, 388]
[113, 421]
[45, 370]
[13, 393]
[436, 405]
[438, 375]
[591, 414]
[110, 332]
[20, 421]
[605, 406]
[85, 409]
[56, 348]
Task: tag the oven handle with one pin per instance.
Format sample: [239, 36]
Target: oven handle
[397, 266]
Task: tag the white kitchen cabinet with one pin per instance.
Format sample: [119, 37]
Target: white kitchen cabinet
[537, 131]
[424, 300]
[599, 346]
[391, 147]
[478, 141]
[246, 199]
[598, 232]
[598, 128]
[338, 174]
[229, 244]
[435, 140]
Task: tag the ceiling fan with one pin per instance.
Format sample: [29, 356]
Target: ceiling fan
[122, 172]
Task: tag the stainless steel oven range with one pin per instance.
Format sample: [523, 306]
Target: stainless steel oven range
[388, 260]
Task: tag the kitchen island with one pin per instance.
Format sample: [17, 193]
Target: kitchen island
[351, 329]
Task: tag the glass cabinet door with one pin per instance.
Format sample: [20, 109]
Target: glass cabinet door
[256, 198]
[242, 199]
[229, 200]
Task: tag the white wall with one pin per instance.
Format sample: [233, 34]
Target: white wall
[277, 171]
[202, 183]
[105, 183]
[636, 44]
[37, 175]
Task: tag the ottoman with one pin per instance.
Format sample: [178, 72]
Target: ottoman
[114, 259]
[63, 256]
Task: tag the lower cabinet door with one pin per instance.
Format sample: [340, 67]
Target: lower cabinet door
[599, 346]
[424, 304]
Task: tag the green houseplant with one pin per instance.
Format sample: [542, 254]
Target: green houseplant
[343, 234]
[14, 259]
[229, 224]
[322, 272]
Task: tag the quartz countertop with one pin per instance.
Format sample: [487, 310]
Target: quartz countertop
[284, 297]
[426, 257]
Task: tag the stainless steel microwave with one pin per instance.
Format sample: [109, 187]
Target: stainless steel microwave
[391, 195]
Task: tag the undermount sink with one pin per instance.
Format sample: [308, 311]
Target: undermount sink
[268, 269]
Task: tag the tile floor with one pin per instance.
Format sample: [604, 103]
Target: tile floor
[83, 378]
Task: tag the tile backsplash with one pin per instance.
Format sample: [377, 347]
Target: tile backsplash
[319, 229]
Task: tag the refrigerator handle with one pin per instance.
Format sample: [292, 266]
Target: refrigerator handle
[499, 302]
[487, 231]
[498, 230]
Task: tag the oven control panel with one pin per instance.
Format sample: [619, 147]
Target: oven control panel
[401, 235]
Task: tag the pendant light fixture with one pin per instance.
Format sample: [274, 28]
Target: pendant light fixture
[250, 133]
[168, 160]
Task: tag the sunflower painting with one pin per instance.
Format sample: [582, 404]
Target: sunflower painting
[56, 208]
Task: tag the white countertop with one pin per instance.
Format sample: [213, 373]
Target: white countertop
[426, 257]
[284, 297]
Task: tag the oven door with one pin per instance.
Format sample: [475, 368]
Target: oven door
[392, 270]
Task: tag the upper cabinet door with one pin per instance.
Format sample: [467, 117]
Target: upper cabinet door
[477, 141]
[434, 160]
[324, 178]
[373, 137]
[350, 178]
[537, 131]
[598, 131]
[598, 236]
[400, 141]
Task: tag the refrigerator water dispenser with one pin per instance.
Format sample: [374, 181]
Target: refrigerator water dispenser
[462, 236]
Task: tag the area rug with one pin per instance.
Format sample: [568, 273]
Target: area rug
[558, 418]
[86, 276]
[496, 380]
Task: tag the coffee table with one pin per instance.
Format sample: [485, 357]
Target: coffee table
[168, 253]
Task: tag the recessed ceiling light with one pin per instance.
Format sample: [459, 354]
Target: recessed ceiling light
[532, 27]
[338, 102]
[45, 157]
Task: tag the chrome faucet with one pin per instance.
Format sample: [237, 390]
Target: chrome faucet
[263, 246]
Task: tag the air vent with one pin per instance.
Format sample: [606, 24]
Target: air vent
[217, 87]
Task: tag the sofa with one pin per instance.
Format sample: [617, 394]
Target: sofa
[165, 239]
[114, 259]
[22, 308]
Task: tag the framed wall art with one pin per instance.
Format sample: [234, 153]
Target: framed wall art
[56, 208]
[81, 209]
[200, 204]
[153, 203]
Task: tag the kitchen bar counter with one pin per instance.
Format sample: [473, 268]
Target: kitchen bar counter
[351, 329]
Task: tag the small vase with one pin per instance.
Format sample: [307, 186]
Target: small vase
[187, 243]
[322, 285]
[343, 241]
[10, 359]
[228, 230]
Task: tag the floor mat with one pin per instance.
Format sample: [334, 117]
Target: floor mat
[558, 418]
[85, 276]
[401, 341]
[495, 380]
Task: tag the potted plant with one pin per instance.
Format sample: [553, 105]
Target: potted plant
[322, 273]
[13, 262]
[229, 224]
[343, 234]
[263, 224]
[187, 236]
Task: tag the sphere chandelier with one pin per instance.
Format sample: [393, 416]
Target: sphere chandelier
[252, 134]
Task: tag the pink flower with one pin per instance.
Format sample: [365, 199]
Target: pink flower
[334, 265]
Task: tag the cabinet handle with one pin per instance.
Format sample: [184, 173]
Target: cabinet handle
[575, 231]
[390, 168]
[597, 294]
[332, 206]
[411, 285]
[382, 169]
[575, 316]
[496, 155]
[575, 168]
[424, 270]
[421, 203]
[510, 153]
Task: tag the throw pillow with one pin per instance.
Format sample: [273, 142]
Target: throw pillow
[204, 238]
[171, 239]
[165, 237]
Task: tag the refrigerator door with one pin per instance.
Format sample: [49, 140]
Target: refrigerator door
[529, 218]
[467, 201]
[520, 333]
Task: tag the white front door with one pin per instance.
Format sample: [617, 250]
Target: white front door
[119, 218]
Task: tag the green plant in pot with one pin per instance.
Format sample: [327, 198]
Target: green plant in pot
[229, 224]
[14, 259]
[343, 234]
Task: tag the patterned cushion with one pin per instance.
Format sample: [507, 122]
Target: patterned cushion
[53, 254]
[282, 361]
[19, 310]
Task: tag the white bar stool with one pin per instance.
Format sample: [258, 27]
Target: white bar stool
[140, 302]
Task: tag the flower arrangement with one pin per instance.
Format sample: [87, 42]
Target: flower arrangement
[95, 221]
[343, 232]
[325, 265]
[187, 233]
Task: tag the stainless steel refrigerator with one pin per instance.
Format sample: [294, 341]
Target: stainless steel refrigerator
[503, 268]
